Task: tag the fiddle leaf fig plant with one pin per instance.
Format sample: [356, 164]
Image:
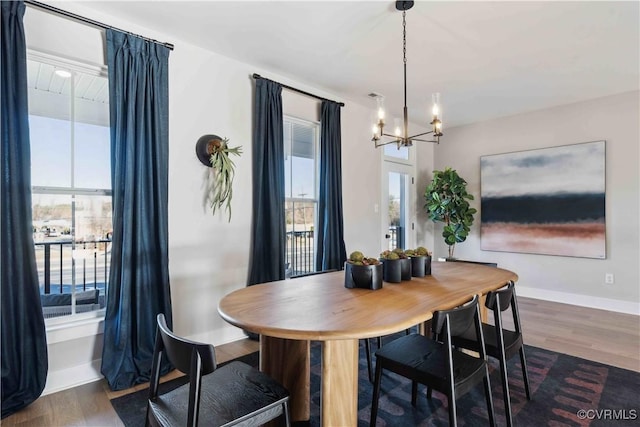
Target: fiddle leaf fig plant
[447, 201]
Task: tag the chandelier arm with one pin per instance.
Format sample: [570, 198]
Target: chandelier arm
[392, 136]
[425, 140]
[421, 134]
[385, 143]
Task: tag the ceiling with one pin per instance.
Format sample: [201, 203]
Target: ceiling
[487, 59]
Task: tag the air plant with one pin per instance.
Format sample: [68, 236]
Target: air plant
[220, 188]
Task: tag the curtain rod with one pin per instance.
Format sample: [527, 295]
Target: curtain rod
[258, 76]
[85, 20]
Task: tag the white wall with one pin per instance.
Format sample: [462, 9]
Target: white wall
[580, 281]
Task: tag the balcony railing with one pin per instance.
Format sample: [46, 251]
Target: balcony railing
[300, 255]
[54, 261]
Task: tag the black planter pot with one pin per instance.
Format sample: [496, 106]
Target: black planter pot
[418, 265]
[405, 268]
[421, 265]
[392, 270]
[362, 276]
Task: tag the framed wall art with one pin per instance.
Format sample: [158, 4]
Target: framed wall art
[547, 201]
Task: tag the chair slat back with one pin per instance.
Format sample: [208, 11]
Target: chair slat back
[500, 298]
[460, 319]
[180, 351]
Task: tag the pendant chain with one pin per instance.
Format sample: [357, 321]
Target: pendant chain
[404, 37]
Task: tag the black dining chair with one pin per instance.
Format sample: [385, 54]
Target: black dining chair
[499, 342]
[232, 394]
[435, 362]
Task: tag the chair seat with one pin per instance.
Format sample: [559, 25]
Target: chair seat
[229, 394]
[425, 360]
[512, 341]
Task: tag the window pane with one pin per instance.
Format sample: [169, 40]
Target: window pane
[300, 161]
[93, 218]
[397, 209]
[302, 181]
[52, 226]
[391, 150]
[301, 220]
[50, 151]
[92, 156]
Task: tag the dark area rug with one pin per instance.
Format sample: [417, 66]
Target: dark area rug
[566, 391]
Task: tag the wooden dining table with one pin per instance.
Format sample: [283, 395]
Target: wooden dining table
[289, 314]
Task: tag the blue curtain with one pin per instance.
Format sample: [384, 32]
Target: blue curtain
[24, 341]
[267, 259]
[139, 275]
[331, 253]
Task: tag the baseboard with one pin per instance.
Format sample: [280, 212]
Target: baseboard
[628, 307]
[64, 379]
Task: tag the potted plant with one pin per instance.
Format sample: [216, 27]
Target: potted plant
[362, 272]
[420, 261]
[396, 266]
[447, 201]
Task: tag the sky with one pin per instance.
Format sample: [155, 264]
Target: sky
[51, 154]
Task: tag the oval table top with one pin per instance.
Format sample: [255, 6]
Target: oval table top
[320, 308]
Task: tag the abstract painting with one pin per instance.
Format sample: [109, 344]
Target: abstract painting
[547, 201]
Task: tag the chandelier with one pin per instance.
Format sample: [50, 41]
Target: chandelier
[401, 134]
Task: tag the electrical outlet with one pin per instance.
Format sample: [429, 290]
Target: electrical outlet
[608, 278]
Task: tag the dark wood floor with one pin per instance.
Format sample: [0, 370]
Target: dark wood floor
[603, 336]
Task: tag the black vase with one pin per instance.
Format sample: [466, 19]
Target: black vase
[392, 270]
[362, 276]
[421, 265]
[418, 265]
[405, 268]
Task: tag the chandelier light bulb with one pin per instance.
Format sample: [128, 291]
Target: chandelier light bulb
[380, 101]
[436, 104]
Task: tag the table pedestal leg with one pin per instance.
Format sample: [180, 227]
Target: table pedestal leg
[287, 361]
[339, 389]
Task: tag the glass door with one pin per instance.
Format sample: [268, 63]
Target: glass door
[397, 206]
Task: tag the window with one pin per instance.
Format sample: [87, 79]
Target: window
[301, 141]
[71, 183]
[392, 150]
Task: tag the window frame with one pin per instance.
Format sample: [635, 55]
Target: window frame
[315, 125]
[71, 191]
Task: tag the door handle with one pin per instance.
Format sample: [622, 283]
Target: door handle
[387, 236]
